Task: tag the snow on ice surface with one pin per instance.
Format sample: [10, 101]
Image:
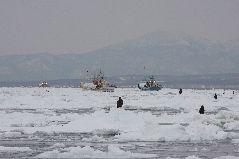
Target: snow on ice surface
[150, 123]
[222, 157]
[2, 148]
[88, 152]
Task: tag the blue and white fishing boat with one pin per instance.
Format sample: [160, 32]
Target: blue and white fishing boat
[43, 84]
[150, 85]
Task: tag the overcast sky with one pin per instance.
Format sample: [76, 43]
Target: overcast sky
[76, 26]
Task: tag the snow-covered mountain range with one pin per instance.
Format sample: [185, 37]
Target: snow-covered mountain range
[155, 53]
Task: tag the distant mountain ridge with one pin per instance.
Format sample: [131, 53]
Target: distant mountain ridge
[155, 53]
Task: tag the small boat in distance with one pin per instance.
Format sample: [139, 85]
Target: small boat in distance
[150, 85]
[98, 84]
[101, 84]
[43, 84]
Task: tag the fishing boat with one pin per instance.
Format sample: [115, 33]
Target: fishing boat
[150, 85]
[43, 84]
[98, 84]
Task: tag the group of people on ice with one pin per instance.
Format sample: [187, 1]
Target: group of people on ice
[201, 110]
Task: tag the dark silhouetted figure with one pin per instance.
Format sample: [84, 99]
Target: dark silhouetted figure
[201, 110]
[233, 92]
[215, 96]
[119, 103]
[180, 91]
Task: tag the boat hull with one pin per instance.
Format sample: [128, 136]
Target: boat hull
[105, 89]
[153, 88]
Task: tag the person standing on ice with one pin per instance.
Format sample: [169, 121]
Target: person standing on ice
[215, 96]
[180, 91]
[201, 110]
[119, 103]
